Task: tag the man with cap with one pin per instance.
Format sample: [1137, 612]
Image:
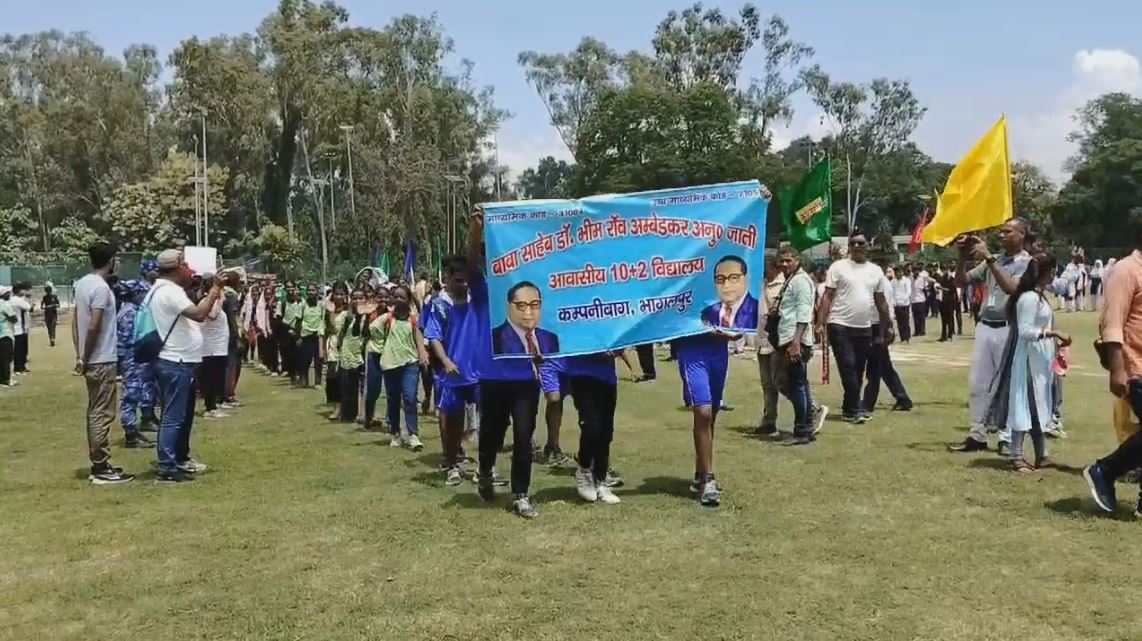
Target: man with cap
[179, 321]
[93, 334]
[7, 343]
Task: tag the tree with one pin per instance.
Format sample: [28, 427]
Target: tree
[695, 47]
[1101, 205]
[547, 180]
[870, 123]
[1033, 196]
[768, 99]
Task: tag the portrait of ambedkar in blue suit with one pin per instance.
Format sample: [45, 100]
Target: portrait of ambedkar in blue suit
[735, 308]
[521, 333]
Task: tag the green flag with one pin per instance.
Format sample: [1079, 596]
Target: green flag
[807, 208]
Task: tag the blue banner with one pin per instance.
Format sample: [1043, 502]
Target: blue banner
[570, 277]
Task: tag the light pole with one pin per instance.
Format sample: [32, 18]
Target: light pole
[205, 189]
[348, 130]
[450, 239]
[197, 198]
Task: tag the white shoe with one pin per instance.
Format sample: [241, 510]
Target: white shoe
[228, 406]
[216, 414]
[394, 440]
[585, 485]
[414, 443]
[819, 419]
[607, 495]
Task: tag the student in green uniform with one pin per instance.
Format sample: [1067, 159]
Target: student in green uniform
[396, 337]
[351, 328]
[312, 330]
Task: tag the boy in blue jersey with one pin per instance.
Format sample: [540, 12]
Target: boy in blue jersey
[703, 362]
[448, 330]
[594, 387]
[508, 389]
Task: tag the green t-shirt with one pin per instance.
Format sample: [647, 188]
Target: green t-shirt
[291, 312]
[349, 353]
[396, 341]
[312, 320]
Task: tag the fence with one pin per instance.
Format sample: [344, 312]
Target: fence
[62, 276]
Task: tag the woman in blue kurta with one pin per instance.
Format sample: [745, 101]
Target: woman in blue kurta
[1025, 384]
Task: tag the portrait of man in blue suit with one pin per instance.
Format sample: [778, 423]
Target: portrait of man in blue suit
[521, 333]
[735, 308]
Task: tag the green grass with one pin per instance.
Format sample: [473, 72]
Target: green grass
[304, 530]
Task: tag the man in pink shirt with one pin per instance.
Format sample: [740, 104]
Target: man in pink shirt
[1121, 353]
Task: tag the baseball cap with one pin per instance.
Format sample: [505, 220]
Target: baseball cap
[169, 259]
[4, 289]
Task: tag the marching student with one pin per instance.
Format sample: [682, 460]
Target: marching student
[553, 383]
[337, 303]
[399, 347]
[50, 305]
[352, 326]
[215, 355]
[508, 389]
[448, 330]
[311, 326]
[703, 363]
[594, 386]
[289, 314]
[902, 302]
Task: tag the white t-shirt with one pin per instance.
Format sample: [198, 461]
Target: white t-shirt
[216, 332]
[854, 284]
[920, 287]
[23, 309]
[902, 292]
[167, 302]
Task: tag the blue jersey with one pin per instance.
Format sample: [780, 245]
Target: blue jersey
[597, 366]
[487, 368]
[451, 324]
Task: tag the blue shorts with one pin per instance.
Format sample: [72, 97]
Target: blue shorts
[703, 380]
[551, 381]
[451, 400]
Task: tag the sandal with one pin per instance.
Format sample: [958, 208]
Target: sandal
[1022, 466]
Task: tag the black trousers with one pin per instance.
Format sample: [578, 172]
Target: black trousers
[6, 350]
[1128, 456]
[646, 360]
[50, 323]
[850, 349]
[20, 353]
[595, 401]
[947, 320]
[503, 402]
[918, 318]
[212, 380]
[332, 383]
[903, 323]
[287, 351]
[307, 359]
[268, 352]
[880, 368]
[350, 393]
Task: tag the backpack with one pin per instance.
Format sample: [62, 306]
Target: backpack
[146, 343]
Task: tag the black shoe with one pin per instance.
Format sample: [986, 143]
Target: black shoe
[647, 379]
[765, 430]
[485, 487]
[149, 426]
[726, 407]
[110, 476]
[138, 442]
[177, 476]
[969, 445]
[902, 406]
[797, 440]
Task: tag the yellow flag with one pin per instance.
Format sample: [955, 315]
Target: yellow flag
[978, 193]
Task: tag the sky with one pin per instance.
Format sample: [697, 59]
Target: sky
[968, 60]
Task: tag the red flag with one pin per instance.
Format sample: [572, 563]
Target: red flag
[918, 232]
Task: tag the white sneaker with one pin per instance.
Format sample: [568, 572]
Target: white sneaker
[216, 414]
[819, 419]
[228, 406]
[607, 495]
[414, 443]
[394, 440]
[585, 485]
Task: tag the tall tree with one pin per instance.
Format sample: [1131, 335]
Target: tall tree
[705, 47]
[548, 179]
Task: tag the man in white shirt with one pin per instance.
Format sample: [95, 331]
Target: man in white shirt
[97, 360]
[7, 321]
[853, 288]
[179, 321]
[920, 283]
[23, 310]
[901, 282]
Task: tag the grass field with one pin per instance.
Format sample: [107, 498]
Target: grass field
[305, 530]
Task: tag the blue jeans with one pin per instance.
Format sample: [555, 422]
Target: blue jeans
[795, 387]
[176, 391]
[372, 386]
[400, 388]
